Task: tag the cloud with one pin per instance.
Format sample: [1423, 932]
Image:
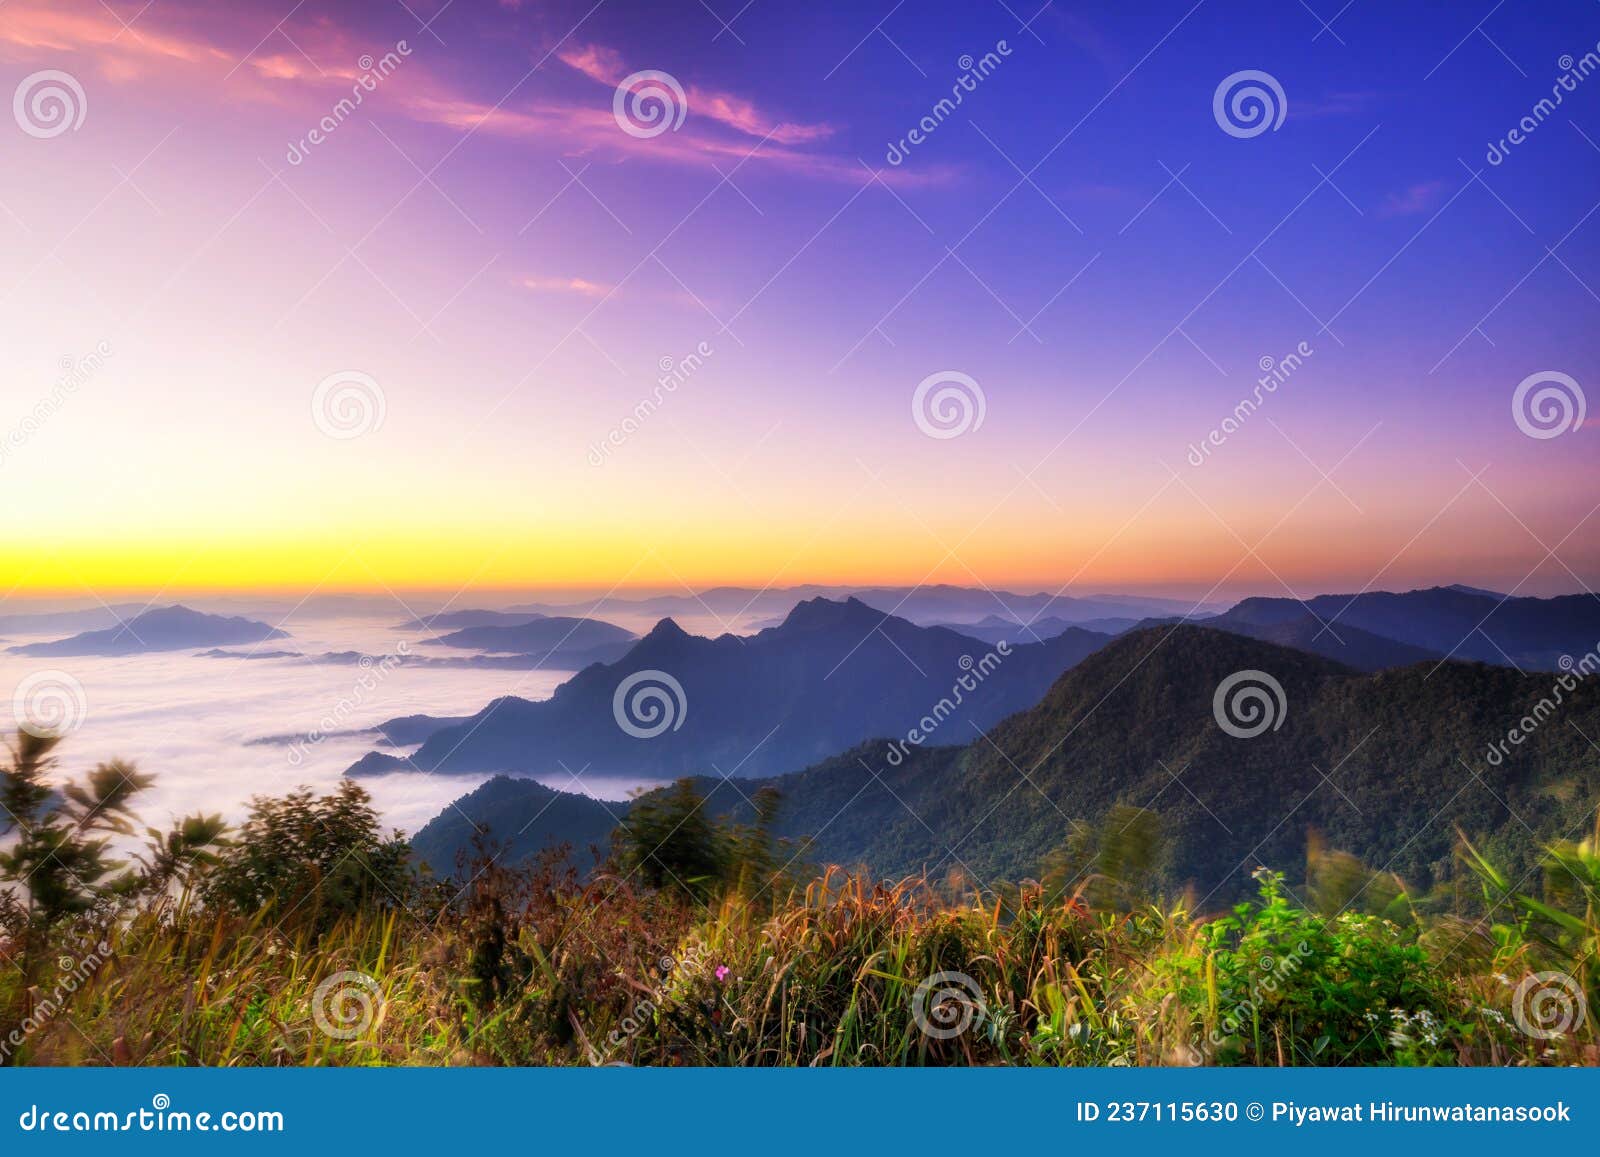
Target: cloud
[594, 61]
[1414, 199]
[209, 55]
[576, 286]
[605, 66]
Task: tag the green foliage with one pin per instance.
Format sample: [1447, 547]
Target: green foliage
[695, 946]
[312, 859]
[1276, 983]
[669, 841]
[60, 857]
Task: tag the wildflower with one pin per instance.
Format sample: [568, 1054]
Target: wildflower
[722, 972]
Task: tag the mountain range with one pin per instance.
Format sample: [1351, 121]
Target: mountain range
[1458, 622]
[1388, 765]
[174, 628]
[593, 640]
[926, 604]
[830, 676]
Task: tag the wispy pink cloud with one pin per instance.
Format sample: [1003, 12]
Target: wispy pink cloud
[1418, 198]
[576, 286]
[187, 50]
[605, 66]
[595, 61]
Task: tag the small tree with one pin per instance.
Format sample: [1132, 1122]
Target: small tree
[59, 866]
[313, 859]
[669, 841]
[60, 860]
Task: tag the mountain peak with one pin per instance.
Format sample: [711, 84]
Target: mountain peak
[820, 613]
[666, 629]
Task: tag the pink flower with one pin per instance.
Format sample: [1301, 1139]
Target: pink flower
[722, 972]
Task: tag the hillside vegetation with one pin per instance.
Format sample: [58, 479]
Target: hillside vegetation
[306, 938]
[1388, 766]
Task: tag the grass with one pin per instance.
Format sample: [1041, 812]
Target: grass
[539, 967]
[306, 939]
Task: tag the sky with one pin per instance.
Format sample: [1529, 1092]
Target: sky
[259, 335]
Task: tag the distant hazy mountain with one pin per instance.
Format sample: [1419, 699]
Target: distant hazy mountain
[455, 620]
[830, 676]
[1466, 590]
[1530, 633]
[406, 731]
[1344, 643]
[540, 636]
[924, 605]
[175, 628]
[1386, 766]
[992, 628]
[87, 619]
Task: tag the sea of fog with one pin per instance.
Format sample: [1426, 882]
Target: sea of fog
[188, 719]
